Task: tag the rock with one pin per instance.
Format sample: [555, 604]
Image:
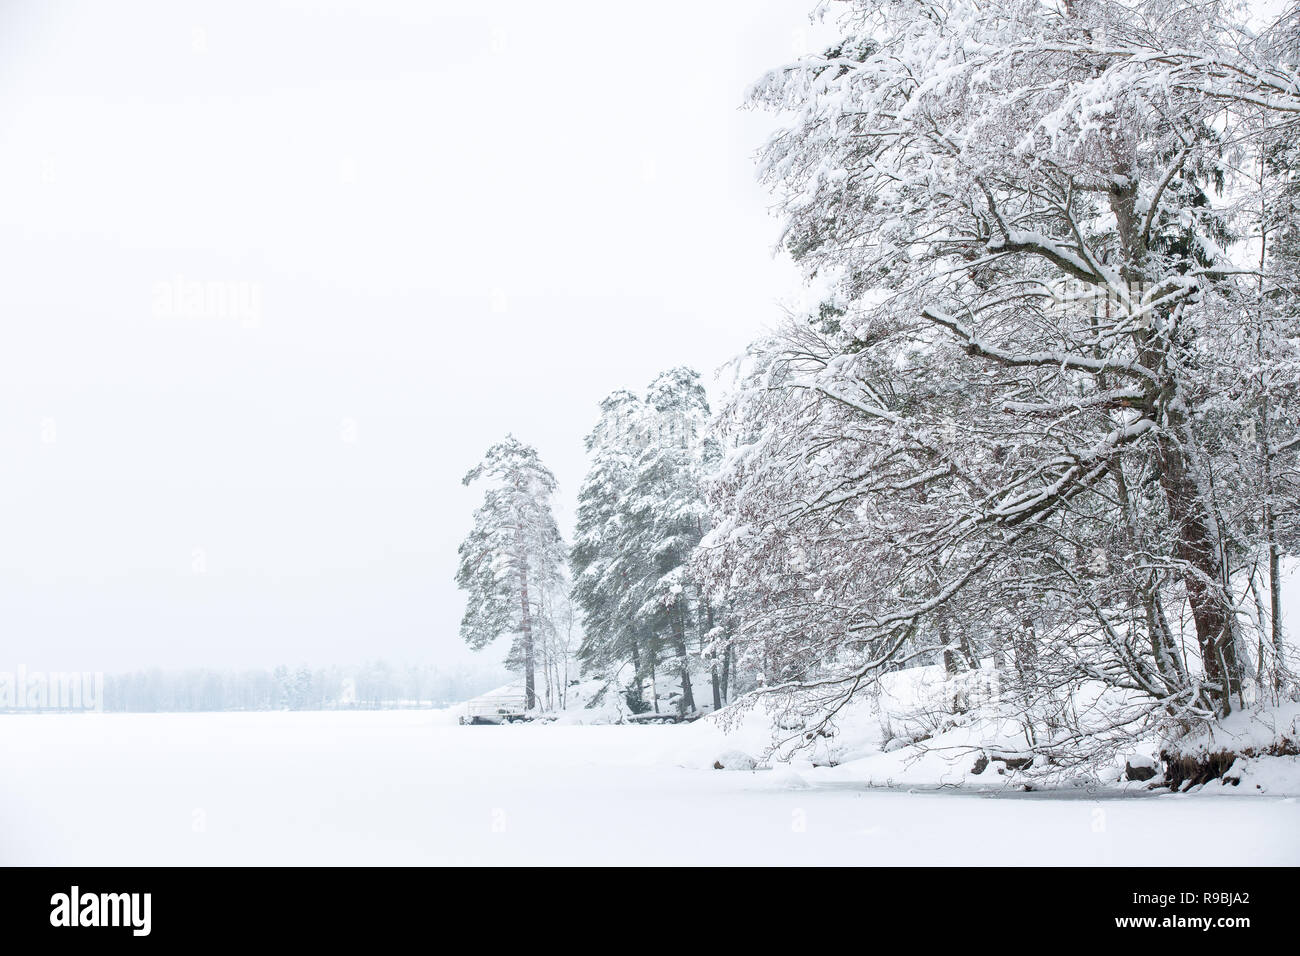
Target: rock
[1013, 762]
[981, 764]
[735, 760]
[1139, 768]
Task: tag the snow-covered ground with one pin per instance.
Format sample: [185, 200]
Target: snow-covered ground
[413, 787]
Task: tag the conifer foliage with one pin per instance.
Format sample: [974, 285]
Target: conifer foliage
[512, 561]
[641, 514]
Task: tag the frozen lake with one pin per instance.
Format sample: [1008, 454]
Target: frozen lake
[409, 787]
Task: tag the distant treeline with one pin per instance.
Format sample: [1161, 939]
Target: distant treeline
[371, 686]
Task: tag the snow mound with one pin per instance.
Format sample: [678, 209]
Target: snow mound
[784, 777]
[1247, 731]
[589, 702]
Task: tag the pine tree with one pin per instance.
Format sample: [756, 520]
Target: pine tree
[511, 562]
[640, 516]
[604, 566]
[668, 517]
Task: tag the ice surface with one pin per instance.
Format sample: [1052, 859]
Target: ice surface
[414, 787]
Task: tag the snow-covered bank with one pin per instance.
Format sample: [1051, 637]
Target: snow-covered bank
[411, 787]
[901, 735]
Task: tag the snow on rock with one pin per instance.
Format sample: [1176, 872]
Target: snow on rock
[735, 760]
[1140, 767]
[1276, 776]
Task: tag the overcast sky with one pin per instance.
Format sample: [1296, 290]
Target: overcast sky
[276, 276]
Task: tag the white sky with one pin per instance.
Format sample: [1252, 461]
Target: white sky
[459, 224]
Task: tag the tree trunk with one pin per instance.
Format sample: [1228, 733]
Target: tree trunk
[526, 638]
[967, 650]
[726, 673]
[1275, 601]
[1266, 467]
[713, 661]
[1203, 579]
[949, 658]
[1199, 545]
[1274, 571]
[636, 670]
[1026, 650]
[679, 645]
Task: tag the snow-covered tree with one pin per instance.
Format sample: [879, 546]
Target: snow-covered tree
[640, 515]
[667, 517]
[604, 567]
[1021, 420]
[512, 561]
